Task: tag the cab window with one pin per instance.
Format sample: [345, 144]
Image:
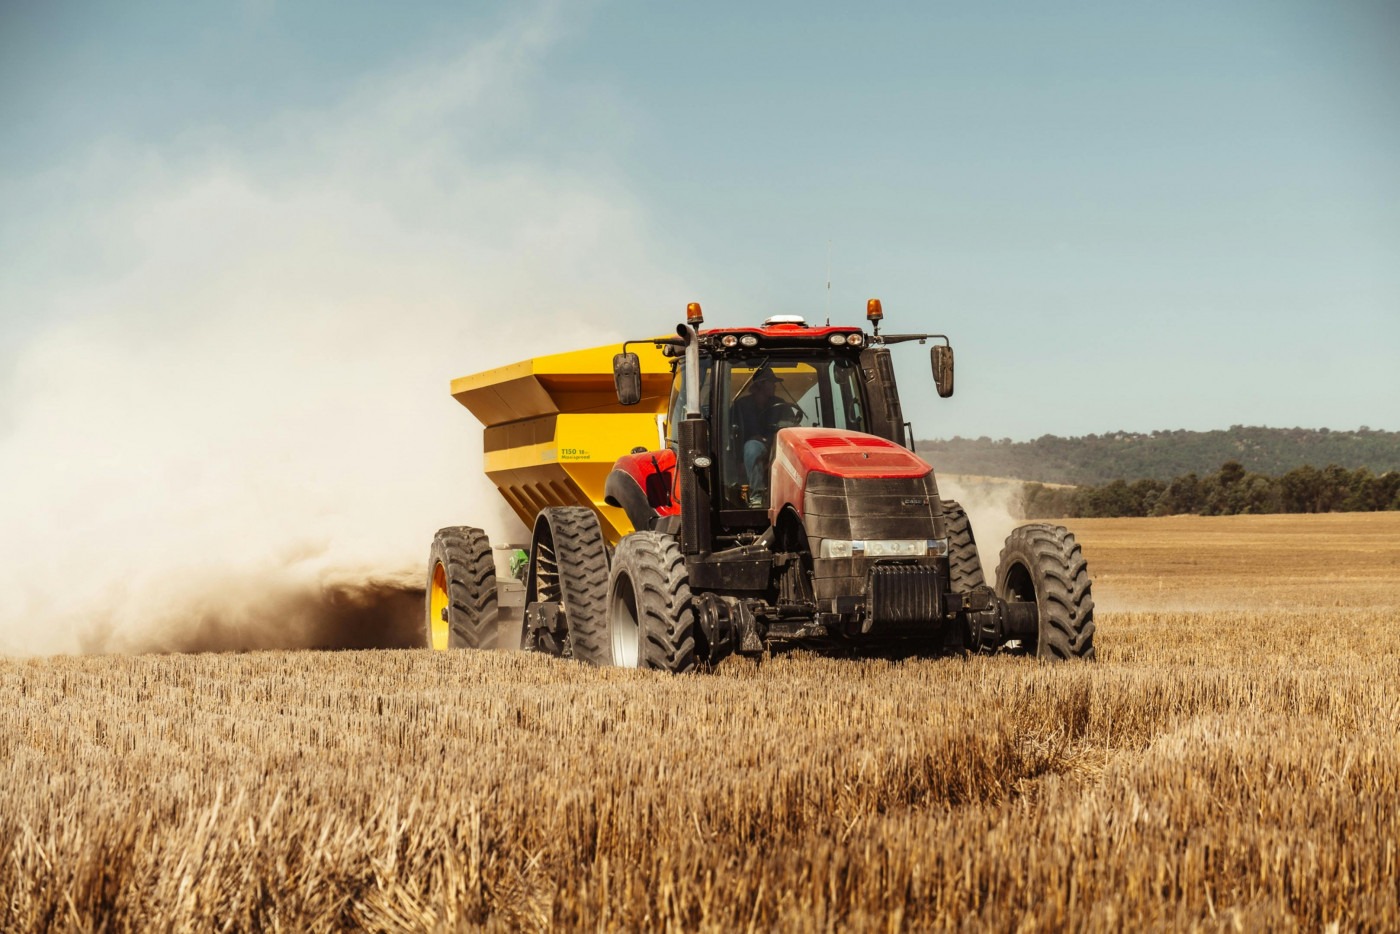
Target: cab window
[676, 412]
[802, 391]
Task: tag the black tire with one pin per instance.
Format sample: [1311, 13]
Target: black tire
[461, 590]
[651, 614]
[1043, 563]
[571, 568]
[964, 566]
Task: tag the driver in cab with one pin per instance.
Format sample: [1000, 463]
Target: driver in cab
[756, 417]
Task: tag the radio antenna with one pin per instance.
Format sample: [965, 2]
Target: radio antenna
[828, 282]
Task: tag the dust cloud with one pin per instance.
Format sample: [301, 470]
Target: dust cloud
[228, 425]
[993, 505]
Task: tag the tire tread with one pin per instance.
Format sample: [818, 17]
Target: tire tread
[581, 556]
[964, 564]
[1056, 565]
[465, 554]
[665, 606]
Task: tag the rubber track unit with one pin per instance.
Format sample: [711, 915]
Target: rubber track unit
[964, 566]
[465, 554]
[666, 617]
[1044, 562]
[575, 560]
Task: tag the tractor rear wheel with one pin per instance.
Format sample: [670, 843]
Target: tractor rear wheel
[1043, 564]
[461, 599]
[571, 568]
[651, 614]
[964, 566]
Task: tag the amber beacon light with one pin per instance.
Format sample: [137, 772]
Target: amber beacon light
[874, 314]
[693, 315]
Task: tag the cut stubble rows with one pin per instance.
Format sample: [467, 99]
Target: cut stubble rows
[1236, 765]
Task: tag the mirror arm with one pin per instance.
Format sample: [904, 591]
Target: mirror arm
[903, 338]
[656, 342]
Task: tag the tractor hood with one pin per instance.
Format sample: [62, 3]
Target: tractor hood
[842, 454]
[850, 485]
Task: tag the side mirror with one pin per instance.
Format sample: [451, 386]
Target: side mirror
[943, 369]
[627, 377]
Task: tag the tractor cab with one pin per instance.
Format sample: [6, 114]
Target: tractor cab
[756, 382]
[746, 385]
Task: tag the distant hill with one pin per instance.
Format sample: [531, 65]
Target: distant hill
[1163, 455]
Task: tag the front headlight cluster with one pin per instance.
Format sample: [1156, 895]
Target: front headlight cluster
[853, 340]
[883, 548]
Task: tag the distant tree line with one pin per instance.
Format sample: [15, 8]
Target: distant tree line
[1229, 491]
[1163, 455]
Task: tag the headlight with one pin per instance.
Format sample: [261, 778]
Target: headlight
[831, 548]
[855, 339]
[837, 339]
[729, 340]
[748, 340]
[884, 548]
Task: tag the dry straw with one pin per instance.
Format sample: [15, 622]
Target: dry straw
[1230, 768]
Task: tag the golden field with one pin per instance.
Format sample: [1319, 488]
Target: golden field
[1232, 762]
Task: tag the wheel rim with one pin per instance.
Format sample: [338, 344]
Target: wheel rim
[622, 624]
[437, 606]
[1019, 584]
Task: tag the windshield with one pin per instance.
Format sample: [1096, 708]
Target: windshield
[759, 396]
[762, 395]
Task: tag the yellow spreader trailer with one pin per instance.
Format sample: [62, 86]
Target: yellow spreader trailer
[554, 428]
[553, 431]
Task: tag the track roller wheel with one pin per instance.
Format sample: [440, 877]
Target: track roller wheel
[651, 615]
[461, 598]
[570, 567]
[1043, 563]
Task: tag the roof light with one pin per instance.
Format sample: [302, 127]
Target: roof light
[837, 339]
[874, 314]
[693, 315]
[729, 340]
[855, 340]
[748, 340]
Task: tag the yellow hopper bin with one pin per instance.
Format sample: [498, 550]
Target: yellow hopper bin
[554, 428]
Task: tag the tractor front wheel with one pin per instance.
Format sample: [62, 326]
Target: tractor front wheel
[461, 598]
[651, 614]
[1043, 564]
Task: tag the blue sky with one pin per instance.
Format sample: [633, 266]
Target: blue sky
[1126, 215]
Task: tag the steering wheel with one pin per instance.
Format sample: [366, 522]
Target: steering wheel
[786, 415]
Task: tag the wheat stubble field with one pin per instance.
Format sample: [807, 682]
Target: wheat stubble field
[1232, 762]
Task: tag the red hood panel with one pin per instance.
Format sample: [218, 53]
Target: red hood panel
[844, 454]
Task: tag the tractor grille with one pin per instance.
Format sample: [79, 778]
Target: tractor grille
[904, 595]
